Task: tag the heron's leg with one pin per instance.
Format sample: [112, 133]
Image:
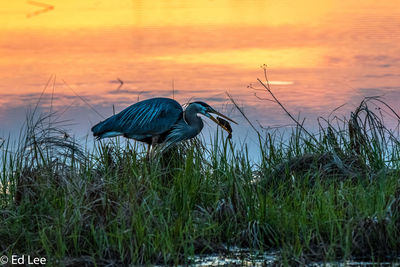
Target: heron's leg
[154, 141]
[148, 151]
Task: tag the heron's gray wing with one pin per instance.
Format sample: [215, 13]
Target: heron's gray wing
[143, 119]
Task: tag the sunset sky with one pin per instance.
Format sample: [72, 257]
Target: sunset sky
[153, 13]
[320, 54]
[99, 14]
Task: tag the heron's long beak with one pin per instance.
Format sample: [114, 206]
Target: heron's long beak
[221, 115]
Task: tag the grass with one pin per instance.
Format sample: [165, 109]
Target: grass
[323, 197]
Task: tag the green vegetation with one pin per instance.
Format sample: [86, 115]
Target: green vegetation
[334, 195]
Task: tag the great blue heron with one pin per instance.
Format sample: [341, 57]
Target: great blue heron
[159, 120]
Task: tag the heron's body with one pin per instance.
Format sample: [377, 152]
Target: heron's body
[156, 120]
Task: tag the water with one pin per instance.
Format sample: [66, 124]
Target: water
[320, 55]
[245, 257]
[237, 257]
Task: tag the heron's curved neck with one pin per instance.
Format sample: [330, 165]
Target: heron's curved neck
[193, 121]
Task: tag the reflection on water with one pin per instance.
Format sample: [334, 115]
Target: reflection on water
[245, 257]
[237, 257]
[320, 56]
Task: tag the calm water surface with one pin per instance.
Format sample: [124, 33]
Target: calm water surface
[320, 55]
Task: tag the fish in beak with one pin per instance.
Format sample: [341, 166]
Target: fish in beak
[221, 121]
[226, 126]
